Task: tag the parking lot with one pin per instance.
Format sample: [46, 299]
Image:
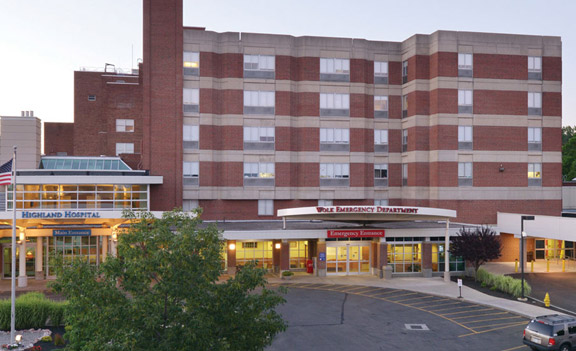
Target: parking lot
[345, 317]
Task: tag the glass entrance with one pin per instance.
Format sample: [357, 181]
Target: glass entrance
[7, 260]
[348, 258]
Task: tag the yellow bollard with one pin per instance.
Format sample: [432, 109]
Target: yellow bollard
[548, 265]
[516, 266]
[547, 300]
[532, 266]
[563, 265]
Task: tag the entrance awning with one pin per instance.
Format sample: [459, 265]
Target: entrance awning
[367, 214]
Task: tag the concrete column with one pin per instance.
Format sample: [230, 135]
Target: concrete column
[447, 252]
[22, 278]
[38, 259]
[276, 255]
[321, 248]
[384, 271]
[427, 259]
[285, 256]
[104, 248]
[231, 256]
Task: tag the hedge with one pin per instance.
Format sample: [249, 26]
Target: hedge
[33, 310]
[504, 283]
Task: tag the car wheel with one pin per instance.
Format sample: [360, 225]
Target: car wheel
[565, 347]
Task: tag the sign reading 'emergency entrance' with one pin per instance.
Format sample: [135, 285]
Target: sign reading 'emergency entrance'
[370, 233]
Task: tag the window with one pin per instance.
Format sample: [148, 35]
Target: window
[191, 63]
[404, 72]
[465, 173]
[465, 101]
[91, 97]
[381, 140]
[404, 174]
[325, 203]
[191, 100]
[189, 205]
[380, 202]
[191, 173]
[534, 104]
[259, 66]
[404, 140]
[334, 174]
[535, 67]
[258, 170]
[534, 174]
[404, 106]
[125, 125]
[265, 207]
[381, 174]
[380, 106]
[259, 173]
[334, 170]
[124, 148]
[259, 134]
[465, 137]
[258, 138]
[332, 104]
[380, 72]
[334, 136]
[333, 69]
[534, 139]
[190, 136]
[465, 65]
[259, 102]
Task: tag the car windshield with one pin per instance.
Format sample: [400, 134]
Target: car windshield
[540, 328]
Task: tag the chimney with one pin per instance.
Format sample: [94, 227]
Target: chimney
[31, 113]
[22, 114]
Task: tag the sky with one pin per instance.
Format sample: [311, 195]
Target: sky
[43, 42]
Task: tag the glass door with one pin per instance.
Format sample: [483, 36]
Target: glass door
[348, 259]
[7, 260]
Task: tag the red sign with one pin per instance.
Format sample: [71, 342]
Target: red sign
[362, 233]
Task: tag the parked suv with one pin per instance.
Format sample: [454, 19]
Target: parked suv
[552, 332]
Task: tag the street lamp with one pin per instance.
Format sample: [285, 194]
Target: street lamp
[522, 236]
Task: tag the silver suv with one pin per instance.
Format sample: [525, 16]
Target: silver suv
[552, 332]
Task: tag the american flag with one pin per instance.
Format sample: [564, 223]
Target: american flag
[6, 173]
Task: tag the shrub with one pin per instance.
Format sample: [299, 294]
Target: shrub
[287, 274]
[503, 283]
[46, 338]
[33, 310]
[58, 340]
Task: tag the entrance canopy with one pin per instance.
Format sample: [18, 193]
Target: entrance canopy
[367, 214]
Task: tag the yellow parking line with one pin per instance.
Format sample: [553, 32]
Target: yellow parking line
[407, 294]
[468, 309]
[368, 289]
[439, 300]
[481, 315]
[388, 292]
[515, 348]
[493, 319]
[489, 330]
[493, 325]
[451, 308]
[418, 298]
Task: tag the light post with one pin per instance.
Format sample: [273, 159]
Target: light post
[522, 236]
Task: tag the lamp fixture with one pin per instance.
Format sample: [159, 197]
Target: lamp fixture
[232, 246]
[278, 245]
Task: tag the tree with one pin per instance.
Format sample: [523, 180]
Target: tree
[569, 159]
[567, 133]
[476, 246]
[161, 292]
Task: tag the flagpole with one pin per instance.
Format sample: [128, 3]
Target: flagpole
[13, 290]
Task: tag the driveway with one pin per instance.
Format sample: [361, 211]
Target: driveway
[346, 317]
[560, 287]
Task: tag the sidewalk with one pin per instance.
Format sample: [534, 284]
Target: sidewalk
[433, 286]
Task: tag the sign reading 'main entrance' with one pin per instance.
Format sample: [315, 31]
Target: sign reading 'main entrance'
[369, 233]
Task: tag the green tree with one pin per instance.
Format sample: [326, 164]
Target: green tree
[569, 158]
[567, 133]
[477, 246]
[162, 292]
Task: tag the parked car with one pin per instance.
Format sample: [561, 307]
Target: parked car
[552, 332]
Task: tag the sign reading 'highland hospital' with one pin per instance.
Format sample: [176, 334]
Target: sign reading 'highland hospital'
[61, 214]
[366, 209]
[368, 233]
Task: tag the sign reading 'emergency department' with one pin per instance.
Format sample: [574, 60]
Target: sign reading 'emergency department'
[366, 209]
